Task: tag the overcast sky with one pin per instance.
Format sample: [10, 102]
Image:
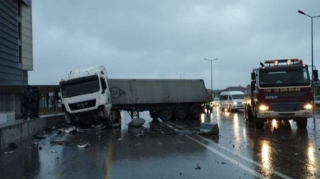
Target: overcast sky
[156, 39]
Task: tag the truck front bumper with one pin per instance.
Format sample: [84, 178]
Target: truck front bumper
[284, 115]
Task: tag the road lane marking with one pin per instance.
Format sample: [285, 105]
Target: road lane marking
[228, 150]
[109, 161]
[253, 172]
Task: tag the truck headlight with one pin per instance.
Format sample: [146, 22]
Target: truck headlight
[307, 106]
[234, 103]
[263, 107]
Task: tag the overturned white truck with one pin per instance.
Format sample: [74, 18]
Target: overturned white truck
[88, 94]
[85, 96]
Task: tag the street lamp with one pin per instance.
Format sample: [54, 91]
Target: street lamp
[312, 87]
[211, 71]
[180, 74]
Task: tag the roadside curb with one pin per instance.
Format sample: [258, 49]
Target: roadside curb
[20, 129]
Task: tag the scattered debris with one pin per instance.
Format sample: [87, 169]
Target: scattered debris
[40, 148]
[93, 128]
[35, 143]
[53, 151]
[65, 143]
[198, 167]
[136, 122]
[40, 136]
[120, 139]
[223, 162]
[10, 152]
[67, 130]
[84, 145]
[13, 145]
[209, 128]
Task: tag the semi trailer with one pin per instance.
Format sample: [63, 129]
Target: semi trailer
[89, 95]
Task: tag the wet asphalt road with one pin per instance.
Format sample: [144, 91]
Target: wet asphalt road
[171, 150]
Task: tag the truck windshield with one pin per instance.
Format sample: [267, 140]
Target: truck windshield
[284, 77]
[80, 86]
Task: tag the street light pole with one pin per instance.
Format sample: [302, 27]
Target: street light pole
[211, 71]
[180, 74]
[312, 85]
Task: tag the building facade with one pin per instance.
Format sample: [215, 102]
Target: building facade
[15, 42]
[16, 54]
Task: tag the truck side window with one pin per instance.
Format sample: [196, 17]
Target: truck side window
[103, 84]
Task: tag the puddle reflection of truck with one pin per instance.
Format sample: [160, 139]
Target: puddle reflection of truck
[88, 95]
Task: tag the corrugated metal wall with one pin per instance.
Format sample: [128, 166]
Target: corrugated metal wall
[147, 91]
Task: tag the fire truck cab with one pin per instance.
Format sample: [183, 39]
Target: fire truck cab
[281, 90]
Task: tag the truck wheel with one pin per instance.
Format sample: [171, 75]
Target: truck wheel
[165, 114]
[258, 122]
[302, 123]
[195, 111]
[181, 112]
[250, 116]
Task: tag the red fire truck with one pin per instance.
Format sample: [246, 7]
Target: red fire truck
[281, 90]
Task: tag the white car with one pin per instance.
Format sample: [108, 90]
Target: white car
[215, 101]
[232, 100]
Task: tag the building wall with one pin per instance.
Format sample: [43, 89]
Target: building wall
[16, 55]
[15, 42]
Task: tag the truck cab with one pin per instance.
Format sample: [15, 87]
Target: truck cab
[281, 90]
[85, 95]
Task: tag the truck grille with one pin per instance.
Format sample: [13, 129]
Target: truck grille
[280, 107]
[286, 97]
[82, 104]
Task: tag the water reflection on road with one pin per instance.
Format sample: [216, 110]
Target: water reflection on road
[280, 149]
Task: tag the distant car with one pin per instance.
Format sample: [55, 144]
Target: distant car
[317, 101]
[215, 101]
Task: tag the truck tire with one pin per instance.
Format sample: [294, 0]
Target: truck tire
[181, 112]
[302, 123]
[165, 114]
[195, 111]
[250, 116]
[258, 122]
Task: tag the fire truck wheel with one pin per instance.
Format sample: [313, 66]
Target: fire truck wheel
[302, 123]
[250, 116]
[258, 122]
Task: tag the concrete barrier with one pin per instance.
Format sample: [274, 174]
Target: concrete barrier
[19, 130]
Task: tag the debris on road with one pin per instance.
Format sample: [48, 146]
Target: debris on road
[53, 151]
[209, 128]
[198, 167]
[40, 136]
[92, 129]
[84, 145]
[13, 145]
[67, 130]
[65, 143]
[136, 122]
[120, 139]
[9, 152]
